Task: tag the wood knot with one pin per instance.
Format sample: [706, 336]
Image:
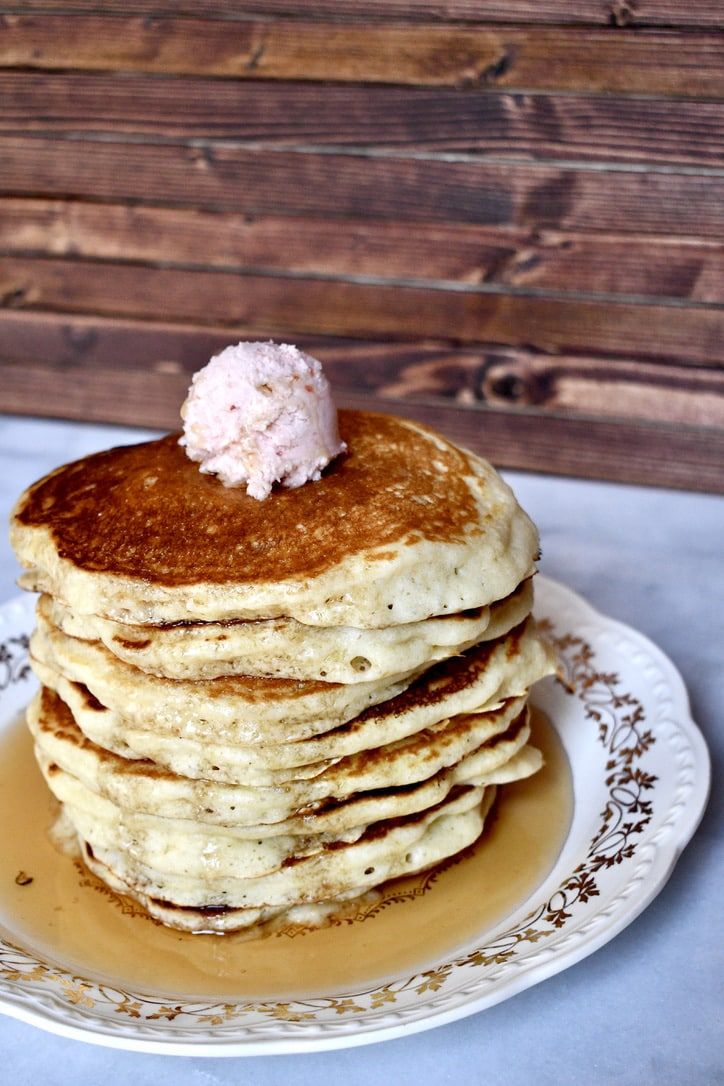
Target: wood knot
[14, 297]
[623, 12]
[80, 339]
[202, 157]
[505, 381]
[498, 68]
[256, 55]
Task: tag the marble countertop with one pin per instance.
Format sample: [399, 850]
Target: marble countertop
[647, 1008]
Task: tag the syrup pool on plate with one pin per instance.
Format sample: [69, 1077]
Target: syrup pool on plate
[52, 907]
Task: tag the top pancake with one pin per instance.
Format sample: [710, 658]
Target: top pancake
[403, 526]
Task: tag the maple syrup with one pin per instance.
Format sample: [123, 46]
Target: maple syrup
[54, 908]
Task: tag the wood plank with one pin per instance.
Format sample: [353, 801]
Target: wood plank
[634, 452]
[490, 375]
[605, 128]
[563, 58]
[615, 13]
[67, 340]
[283, 305]
[357, 186]
[600, 387]
[553, 260]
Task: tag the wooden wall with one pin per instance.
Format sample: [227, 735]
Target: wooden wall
[507, 219]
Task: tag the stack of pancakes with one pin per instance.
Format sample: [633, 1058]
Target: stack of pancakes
[259, 708]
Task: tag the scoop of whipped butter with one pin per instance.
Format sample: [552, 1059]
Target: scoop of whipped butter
[259, 414]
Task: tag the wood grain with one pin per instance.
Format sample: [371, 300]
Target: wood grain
[552, 260]
[594, 448]
[505, 220]
[615, 13]
[261, 305]
[563, 58]
[610, 128]
[602, 387]
[488, 374]
[356, 186]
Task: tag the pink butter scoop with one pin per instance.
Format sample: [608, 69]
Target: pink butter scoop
[259, 414]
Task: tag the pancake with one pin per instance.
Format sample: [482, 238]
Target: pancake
[379, 784]
[172, 847]
[245, 706]
[271, 764]
[285, 648]
[446, 836]
[384, 851]
[219, 711]
[282, 648]
[402, 527]
[387, 849]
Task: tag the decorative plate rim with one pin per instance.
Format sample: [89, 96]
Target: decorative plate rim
[627, 862]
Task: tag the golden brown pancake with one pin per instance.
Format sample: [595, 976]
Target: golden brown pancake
[473, 683]
[401, 527]
[251, 710]
[164, 521]
[399, 778]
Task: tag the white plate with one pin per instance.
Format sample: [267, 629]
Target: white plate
[640, 778]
